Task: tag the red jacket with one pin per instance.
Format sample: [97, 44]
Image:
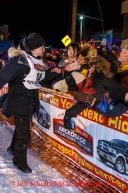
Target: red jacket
[87, 87]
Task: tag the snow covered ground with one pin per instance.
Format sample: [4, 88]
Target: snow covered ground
[43, 178]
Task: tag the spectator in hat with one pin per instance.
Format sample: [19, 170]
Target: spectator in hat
[24, 70]
[64, 55]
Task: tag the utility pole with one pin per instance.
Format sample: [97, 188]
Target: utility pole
[81, 29]
[124, 11]
[73, 26]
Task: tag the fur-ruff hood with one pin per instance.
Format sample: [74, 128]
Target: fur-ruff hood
[12, 52]
[100, 64]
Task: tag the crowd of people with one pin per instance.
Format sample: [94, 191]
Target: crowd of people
[97, 78]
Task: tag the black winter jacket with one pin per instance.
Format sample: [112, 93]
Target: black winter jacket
[20, 101]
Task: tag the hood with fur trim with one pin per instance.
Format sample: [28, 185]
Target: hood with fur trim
[100, 64]
[13, 52]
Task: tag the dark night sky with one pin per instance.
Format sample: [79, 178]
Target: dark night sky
[52, 18]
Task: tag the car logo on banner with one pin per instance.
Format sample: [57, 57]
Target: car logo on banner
[66, 40]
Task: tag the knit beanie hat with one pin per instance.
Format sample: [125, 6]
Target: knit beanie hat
[34, 41]
[124, 45]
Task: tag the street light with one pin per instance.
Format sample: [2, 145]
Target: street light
[81, 19]
[92, 18]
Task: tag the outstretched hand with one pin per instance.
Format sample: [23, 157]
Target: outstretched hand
[126, 98]
[72, 66]
[57, 70]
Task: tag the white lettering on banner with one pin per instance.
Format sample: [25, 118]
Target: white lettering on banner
[82, 142]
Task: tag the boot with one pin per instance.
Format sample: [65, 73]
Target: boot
[84, 97]
[25, 169]
[10, 149]
[20, 157]
[67, 123]
[73, 112]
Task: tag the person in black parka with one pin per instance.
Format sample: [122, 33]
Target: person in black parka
[23, 72]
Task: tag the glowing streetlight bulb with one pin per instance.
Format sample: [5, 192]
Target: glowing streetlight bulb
[81, 17]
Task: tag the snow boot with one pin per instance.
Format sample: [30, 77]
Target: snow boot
[67, 123]
[73, 112]
[20, 157]
[10, 150]
[23, 168]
